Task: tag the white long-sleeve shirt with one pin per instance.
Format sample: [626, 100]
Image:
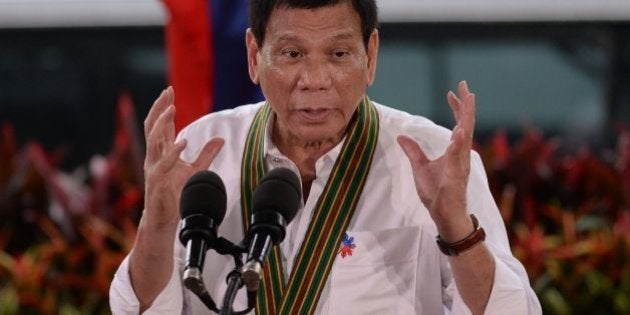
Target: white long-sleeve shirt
[395, 266]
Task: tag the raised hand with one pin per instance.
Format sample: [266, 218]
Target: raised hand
[165, 173]
[441, 183]
[151, 261]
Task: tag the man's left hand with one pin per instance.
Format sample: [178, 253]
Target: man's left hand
[441, 183]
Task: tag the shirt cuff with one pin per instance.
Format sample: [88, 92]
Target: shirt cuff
[123, 299]
[509, 295]
[511, 292]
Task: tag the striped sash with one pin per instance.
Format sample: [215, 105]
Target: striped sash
[331, 215]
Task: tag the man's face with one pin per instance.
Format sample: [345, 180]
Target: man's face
[313, 69]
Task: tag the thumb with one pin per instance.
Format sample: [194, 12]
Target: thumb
[413, 151]
[208, 153]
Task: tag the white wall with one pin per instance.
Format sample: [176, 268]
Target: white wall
[71, 13]
[503, 10]
[68, 13]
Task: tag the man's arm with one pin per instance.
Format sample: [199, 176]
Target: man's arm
[441, 185]
[473, 271]
[151, 260]
[511, 291]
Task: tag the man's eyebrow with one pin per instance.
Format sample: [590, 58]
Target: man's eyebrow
[343, 36]
[288, 38]
[294, 38]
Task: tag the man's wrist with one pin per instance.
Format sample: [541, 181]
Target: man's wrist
[451, 248]
[159, 224]
[454, 228]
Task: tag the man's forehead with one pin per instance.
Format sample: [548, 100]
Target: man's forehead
[336, 22]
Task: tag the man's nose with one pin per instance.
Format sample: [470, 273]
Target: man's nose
[315, 75]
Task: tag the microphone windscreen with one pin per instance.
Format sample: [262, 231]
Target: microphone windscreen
[278, 190]
[204, 193]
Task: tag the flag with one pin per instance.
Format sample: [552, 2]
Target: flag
[207, 59]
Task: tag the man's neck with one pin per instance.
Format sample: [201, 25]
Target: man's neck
[304, 153]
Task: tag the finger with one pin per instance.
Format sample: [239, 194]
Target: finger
[171, 156]
[414, 153]
[458, 155]
[458, 151]
[170, 127]
[170, 94]
[455, 104]
[467, 114]
[458, 139]
[466, 108]
[161, 136]
[463, 89]
[208, 153]
[158, 107]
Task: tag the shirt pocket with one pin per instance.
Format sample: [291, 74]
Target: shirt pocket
[378, 274]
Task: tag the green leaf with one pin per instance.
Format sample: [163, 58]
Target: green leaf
[8, 300]
[591, 223]
[67, 309]
[621, 302]
[554, 302]
[7, 262]
[597, 283]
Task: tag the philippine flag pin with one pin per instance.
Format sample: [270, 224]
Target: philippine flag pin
[347, 245]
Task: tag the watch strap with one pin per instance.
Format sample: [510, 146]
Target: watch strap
[455, 248]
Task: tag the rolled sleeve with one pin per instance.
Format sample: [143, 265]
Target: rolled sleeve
[511, 292]
[123, 299]
[509, 295]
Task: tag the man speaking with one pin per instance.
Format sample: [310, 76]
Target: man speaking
[396, 216]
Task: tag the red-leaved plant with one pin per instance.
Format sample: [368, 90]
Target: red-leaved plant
[62, 235]
[568, 219]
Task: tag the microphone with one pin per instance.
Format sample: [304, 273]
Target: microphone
[274, 204]
[202, 209]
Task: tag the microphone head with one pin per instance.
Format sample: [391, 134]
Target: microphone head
[278, 190]
[204, 194]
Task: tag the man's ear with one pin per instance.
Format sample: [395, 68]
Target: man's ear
[372, 56]
[252, 55]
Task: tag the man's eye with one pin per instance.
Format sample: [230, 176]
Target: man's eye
[340, 53]
[292, 53]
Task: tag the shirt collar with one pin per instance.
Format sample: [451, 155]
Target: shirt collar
[271, 151]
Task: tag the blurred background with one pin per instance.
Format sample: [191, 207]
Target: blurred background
[77, 78]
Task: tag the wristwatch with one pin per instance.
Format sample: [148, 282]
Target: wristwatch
[453, 249]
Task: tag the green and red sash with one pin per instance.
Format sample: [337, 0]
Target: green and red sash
[331, 215]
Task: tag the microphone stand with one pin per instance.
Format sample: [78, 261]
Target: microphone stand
[235, 282]
[234, 279]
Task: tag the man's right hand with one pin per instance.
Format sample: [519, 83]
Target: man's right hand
[151, 261]
[165, 173]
